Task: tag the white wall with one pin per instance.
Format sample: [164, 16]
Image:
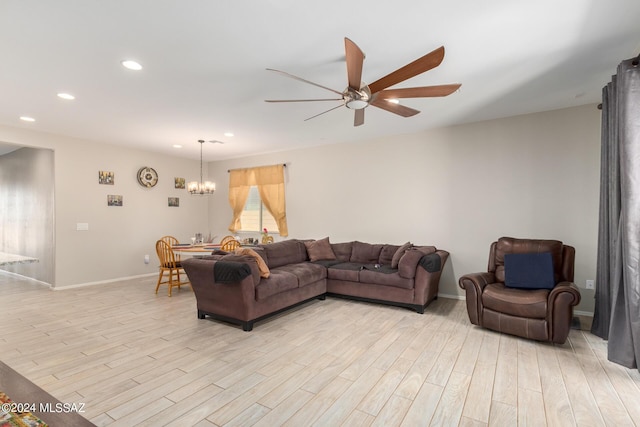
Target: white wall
[459, 188]
[118, 237]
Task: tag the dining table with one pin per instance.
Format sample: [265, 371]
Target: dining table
[195, 250]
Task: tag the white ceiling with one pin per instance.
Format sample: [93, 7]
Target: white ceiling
[204, 65]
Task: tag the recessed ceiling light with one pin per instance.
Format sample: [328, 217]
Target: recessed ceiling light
[177, 146]
[393, 101]
[66, 96]
[27, 119]
[229, 134]
[132, 65]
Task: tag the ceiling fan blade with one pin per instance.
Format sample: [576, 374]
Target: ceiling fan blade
[303, 80]
[355, 59]
[419, 66]
[303, 100]
[358, 118]
[418, 92]
[398, 109]
[330, 109]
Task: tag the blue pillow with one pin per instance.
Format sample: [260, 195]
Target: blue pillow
[529, 271]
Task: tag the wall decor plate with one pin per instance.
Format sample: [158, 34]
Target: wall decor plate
[147, 177]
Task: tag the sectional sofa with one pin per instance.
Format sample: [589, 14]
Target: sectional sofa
[252, 284]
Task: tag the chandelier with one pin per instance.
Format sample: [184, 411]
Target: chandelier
[202, 187]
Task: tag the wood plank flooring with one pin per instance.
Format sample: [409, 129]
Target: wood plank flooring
[136, 358]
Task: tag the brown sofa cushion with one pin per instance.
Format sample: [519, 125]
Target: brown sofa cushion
[285, 252]
[378, 278]
[319, 250]
[365, 253]
[398, 254]
[306, 272]
[342, 250]
[387, 253]
[349, 271]
[279, 281]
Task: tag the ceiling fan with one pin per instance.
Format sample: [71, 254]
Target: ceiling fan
[358, 95]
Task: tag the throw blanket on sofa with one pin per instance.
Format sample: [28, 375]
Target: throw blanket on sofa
[386, 269]
[230, 271]
[430, 262]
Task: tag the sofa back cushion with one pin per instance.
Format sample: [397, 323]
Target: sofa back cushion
[285, 252]
[365, 253]
[386, 255]
[342, 251]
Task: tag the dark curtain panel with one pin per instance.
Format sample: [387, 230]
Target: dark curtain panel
[617, 310]
[609, 212]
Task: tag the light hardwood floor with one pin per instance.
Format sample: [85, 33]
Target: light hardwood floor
[136, 358]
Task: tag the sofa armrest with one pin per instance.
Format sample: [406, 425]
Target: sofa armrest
[426, 283]
[234, 300]
[408, 263]
[562, 298]
[474, 284]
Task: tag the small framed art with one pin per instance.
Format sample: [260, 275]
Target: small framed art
[179, 182]
[106, 177]
[174, 202]
[114, 200]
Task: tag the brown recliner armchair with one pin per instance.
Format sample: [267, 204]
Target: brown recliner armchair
[539, 314]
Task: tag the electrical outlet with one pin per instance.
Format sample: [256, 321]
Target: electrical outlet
[589, 284]
[146, 259]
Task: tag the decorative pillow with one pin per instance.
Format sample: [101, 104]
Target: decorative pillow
[262, 266]
[396, 257]
[319, 250]
[529, 271]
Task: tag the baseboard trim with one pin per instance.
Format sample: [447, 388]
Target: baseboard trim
[449, 296]
[102, 282]
[583, 313]
[31, 279]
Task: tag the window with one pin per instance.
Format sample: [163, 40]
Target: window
[255, 215]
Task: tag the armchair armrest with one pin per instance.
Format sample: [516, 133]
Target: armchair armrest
[474, 284]
[562, 298]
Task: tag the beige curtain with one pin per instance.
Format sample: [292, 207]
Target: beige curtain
[238, 193]
[270, 183]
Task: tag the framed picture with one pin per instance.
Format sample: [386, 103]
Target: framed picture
[174, 202]
[106, 177]
[179, 182]
[114, 200]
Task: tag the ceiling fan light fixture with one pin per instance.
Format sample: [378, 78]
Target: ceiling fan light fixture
[356, 104]
[357, 99]
[393, 100]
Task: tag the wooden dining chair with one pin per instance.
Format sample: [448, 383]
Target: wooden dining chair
[230, 246]
[172, 241]
[226, 239]
[169, 266]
